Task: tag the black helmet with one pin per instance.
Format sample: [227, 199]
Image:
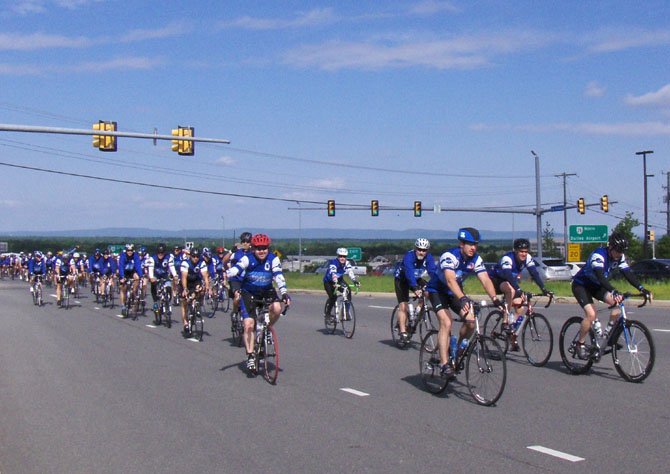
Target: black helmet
[521, 244]
[245, 237]
[469, 235]
[618, 242]
[195, 252]
[160, 248]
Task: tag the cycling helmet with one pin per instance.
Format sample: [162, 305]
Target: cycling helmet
[130, 247]
[195, 252]
[220, 250]
[76, 255]
[245, 237]
[206, 252]
[422, 244]
[469, 235]
[260, 240]
[38, 254]
[342, 252]
[521, 244]
[49, 254]
[160, 248]
[143, 250]
[105, 252]
[97, 252]
[618, 242]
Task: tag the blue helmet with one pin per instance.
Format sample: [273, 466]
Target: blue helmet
[206, 252]
[469, 235]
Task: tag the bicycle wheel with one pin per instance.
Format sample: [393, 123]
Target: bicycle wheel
[110, 296]
[567, 341]
[40, 296]
[429, 365]
[486, 370]
[493, 328]
[426, 322]
[224, 300]
[197, 326]
[537, 340]
[348, 320]
[33, 293]
[633, 351]
[395, 330]
[166, 311]
[237, 328]
[330, 319]
[212, 304]
[65, 296]
[271, 358]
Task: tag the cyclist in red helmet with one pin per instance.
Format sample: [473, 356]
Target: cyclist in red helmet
[260, 268]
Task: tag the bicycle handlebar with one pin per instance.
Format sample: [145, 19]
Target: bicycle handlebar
[647, 299]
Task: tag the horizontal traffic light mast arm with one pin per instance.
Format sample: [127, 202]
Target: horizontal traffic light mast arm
[77, 131]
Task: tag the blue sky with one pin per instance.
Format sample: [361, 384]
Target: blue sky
[437, 101]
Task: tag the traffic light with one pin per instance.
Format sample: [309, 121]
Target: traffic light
[331, 208]
[104, 142]
[183, 147]
[651, 236]
[581, 205]
[604, 203]
[374, 208]
[417, 208]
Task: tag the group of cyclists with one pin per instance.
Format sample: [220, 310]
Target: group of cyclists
[443, 282]
[253, 275]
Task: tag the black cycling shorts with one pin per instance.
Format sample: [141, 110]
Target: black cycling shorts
[444, 301]
[586, 294]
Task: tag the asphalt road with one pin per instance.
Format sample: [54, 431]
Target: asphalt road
[82, 390]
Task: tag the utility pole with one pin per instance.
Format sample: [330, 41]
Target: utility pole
[565, 213]
[666, 198]
[538, 204]
[646, 218]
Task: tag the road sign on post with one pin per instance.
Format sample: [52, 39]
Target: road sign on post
[574, 253]
[587, 233]
[355, 253]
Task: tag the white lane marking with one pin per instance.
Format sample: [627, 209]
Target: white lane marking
[355, 392]
[661, 330]
[558, 454]
[96, 307]
[119, 316]
[193, 339]
[380, 307]
[151, 326]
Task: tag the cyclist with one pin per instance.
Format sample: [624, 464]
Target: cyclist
[79, 266]
[37, 268]
[506, 275]
[195, 280]
[94, 262]
[592, 282]
[260, 268]
[337, 268]
[64, 272]
[160, 267]
[409, 275]
[130, 268]
[108, 269]
[231, 259]
[445, 290]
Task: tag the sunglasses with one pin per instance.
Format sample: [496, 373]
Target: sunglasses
[422, 250]
[264, 247]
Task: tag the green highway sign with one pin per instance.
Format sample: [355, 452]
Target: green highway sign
[583, 234]
[355, 253]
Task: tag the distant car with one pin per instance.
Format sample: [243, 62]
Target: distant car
[652, 269]
[358, 269]
[550, 269]
[575, 267]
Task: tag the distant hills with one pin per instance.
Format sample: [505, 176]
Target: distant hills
[281, 234]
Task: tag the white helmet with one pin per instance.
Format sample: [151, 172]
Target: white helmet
[342, 252]
[422, 244]
[76, 255]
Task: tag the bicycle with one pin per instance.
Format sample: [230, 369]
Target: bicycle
[65, 292]
[212, 300]
[420, 317]
[132, 306]
[483, 360]
[196, 323]
[223, 296]
[108, 291]
[345, 313]
[266, 347]
[629, 341]
[36, 291]
[237, 327]
[164, 311]
[532, 329]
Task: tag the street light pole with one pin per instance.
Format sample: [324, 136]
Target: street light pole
[538, 203]
[299, 237]
[565, 213]
[223, 235]
[646, 220]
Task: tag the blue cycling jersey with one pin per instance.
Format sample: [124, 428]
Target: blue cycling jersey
[454, 260]
[412, 269]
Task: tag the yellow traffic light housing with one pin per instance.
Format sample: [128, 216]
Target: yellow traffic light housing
[374, 208]
[581, 206]
[183, 147]
[417, 208]
[104, 142]
[651, 235]
[331, 208]
[604, 203]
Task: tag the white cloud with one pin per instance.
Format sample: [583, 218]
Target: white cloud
[34, 41]
[609, 41]
[628, 129]
[8, 203]
[430, 7]
[315, 17]
[328, 183]
[27, 7]
[122, 64]
[593, 89]
[660, 98]
[167, 31]
[226, 161]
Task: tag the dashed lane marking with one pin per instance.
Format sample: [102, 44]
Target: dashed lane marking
[558, 454]
[355, 392]
[381, 307]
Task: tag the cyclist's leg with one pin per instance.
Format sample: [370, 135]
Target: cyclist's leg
[402, 295]
[440, 304]
[249, 321]
[332, 296]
